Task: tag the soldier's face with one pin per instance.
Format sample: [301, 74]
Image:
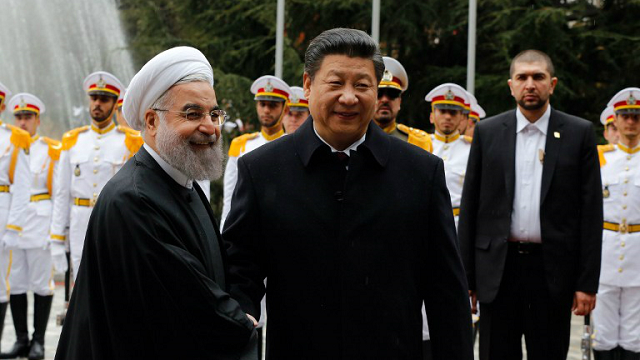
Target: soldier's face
[293, 119]
[446, 121]
[101, 107]
[387, 106]
[269, 112]
[531, 85]
[611, 133]
[628, 125]
[342, 98]
[464, 124]
[28, 122]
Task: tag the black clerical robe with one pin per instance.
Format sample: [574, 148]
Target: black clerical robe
[150, 282]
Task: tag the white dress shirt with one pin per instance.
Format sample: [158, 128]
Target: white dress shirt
[530, 146]
[347, 151]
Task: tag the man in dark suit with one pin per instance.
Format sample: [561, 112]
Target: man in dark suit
[350, 244]
[152, 280]
[531, 219]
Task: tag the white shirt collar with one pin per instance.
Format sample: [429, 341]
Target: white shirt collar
[347, 151]
[542, 123]
[175, 174]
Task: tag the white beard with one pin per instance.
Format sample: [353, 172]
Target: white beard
[195, 164]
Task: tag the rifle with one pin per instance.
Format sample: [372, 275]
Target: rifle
[585, 344]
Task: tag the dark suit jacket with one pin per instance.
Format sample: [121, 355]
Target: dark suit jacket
[570, 205]
[147, 288]
[348, 263]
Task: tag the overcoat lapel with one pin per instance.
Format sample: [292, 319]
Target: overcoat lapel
[552, 149]
[509, 134]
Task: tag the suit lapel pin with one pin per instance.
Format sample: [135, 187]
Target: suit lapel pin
[556, 135]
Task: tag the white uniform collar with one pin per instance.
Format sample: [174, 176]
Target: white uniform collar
[542, 123]
[347, 151]
[175, 174]
[104, 131]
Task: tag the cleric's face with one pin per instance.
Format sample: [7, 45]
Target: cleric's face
[194, 97]
[188, 138]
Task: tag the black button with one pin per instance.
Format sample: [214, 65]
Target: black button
[338, 195]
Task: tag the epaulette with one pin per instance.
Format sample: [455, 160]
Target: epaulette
[20, 138]
[132, 140]
[55, 147]
[604, 149]
[70, 138]
[467, 139]
[417, 137]
[238, 144]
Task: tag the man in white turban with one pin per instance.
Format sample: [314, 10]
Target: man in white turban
[152, 281]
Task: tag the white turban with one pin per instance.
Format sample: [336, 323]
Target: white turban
[157, 76]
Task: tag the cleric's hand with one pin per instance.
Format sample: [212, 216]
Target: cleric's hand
[10, 240]
[59, 257]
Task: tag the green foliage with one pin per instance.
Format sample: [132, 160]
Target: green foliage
[595, 49]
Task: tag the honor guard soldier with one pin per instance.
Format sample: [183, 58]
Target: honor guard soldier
[610, 132]
[4, 94]
[90, 156]
[617, 315]
[298, 110]
[449, 102]
[476, 112]
[271, 96]
[31, 257]
[395, 81]
[447, 111]
[14, 196]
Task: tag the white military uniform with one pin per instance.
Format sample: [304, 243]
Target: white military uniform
[31, 260]
[454, 152]
[90, 157]
[14, 192]
[240, 145]
[617, 314]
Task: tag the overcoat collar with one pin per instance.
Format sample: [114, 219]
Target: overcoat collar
[307, 143]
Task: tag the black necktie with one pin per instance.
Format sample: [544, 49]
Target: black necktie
[342, 157]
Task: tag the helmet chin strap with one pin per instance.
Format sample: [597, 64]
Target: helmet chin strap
[274, 126]
[111, 113]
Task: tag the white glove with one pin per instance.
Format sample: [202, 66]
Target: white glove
[10, 240]
[59, 257]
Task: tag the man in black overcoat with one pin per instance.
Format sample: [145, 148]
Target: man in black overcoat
[353, 228]
[152, 280]
[531, 219]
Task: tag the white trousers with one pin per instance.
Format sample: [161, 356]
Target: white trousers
[31, 269]
[616, 318]
[5, 262]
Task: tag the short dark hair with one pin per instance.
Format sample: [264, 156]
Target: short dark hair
[530, 56]
[342, 41]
